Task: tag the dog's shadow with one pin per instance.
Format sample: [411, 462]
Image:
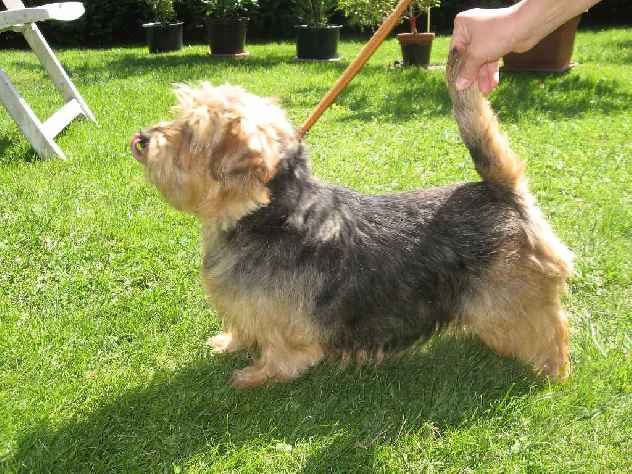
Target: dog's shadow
[193, 412]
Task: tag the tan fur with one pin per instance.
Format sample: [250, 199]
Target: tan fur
[214, 161]
[480, 131]
[288, 342]
[518, 311]
[215, 158]
[518, 314]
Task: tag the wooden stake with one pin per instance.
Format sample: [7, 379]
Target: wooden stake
[356, 66]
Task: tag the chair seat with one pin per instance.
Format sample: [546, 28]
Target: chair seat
[53, 11]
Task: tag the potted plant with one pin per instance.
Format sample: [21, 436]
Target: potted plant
[416, 46]
[227, 25]
[164, 33]
[316, 39]
[552, 54]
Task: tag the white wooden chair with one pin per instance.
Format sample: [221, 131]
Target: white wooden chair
[21, 19]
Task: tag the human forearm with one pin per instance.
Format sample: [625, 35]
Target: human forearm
[534, 19]
[483, 36]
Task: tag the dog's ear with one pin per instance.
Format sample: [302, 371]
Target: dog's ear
[245, 153]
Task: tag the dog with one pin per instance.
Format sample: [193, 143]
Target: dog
[300, 270]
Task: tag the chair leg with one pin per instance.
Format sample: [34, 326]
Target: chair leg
[54, 68]
[27, 121]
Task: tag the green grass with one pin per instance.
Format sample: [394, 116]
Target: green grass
[103, 321]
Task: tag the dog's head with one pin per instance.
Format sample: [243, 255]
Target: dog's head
[216, 157]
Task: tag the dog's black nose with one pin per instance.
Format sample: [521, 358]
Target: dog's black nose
[138, 144]
[143, 139]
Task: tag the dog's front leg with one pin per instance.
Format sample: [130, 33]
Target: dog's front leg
[224, 343]
[278, 363]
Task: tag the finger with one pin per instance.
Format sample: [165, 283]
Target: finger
[494, 73]
[469, 73]
[488, 78]
[461, 41]
[484, 84]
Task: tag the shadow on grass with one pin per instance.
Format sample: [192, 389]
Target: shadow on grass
[354, 412]
[12, 150]
[386, 93]
[557, 96]
[408, 93]
[623, 49]
[519, 97]
[129, 64]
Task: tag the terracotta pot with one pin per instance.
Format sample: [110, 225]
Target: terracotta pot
[416, 48]
[552, 54]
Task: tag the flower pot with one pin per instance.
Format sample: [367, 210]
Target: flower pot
[552, 54]
[163, 37]
[416, 48]
[227, 36]
[319, 43]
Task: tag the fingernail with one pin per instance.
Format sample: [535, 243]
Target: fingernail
[462, 83]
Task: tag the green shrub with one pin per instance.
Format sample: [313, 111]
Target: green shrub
[162, 10]
[315, 12]
[108, 22]
[229, 8]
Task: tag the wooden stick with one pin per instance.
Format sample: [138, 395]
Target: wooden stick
[356, 66]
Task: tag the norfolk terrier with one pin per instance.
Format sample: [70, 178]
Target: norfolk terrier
[300, 270]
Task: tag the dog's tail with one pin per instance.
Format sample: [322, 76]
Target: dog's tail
[494, 160]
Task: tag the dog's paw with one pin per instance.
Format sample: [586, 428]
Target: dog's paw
[249, 377]
[223, 344]
[556, 370]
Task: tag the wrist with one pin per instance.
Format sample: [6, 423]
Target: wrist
[520, 21]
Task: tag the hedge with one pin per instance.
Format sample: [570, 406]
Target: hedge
[110, 22]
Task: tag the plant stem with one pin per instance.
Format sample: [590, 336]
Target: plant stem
[428, 20]
[412, 20]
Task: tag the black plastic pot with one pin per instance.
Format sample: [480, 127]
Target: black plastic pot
[227, 36]
[317, 42]
[163, 37]
[416, 48]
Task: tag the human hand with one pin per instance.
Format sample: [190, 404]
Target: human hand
[482, 36]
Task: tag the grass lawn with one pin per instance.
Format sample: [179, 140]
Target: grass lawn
[103, 321]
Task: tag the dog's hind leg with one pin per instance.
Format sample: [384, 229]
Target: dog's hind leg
[518, 314]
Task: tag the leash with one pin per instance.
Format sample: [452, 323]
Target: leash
[355, 67]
